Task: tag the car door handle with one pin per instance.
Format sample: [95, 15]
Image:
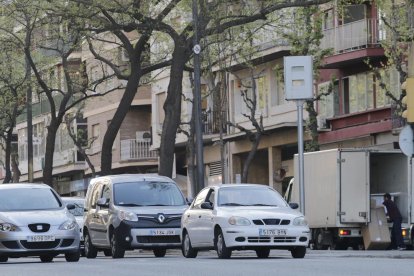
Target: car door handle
[199, 216]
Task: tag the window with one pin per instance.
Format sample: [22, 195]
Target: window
[353, 13]
[95, 194]
[106, 192]
[391, 79]
[328, 19]
[328, 106]
[246, 86]
[277, 94]
[96, 144]
[200, 198]
[358, 92]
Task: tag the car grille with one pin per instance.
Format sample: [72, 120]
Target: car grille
[151, 221]
[270, 239]
[271, 221]
[39, 227]
[40, 245]
[11, 244]
[158, 239]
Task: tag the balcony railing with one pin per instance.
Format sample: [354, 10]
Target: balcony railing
[211, 122]
[133, 149]
[364, 33]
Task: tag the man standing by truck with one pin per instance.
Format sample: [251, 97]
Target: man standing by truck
[396, 219]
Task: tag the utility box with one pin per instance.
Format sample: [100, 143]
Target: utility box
[376, 234]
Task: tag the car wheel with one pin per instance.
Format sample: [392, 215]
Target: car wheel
[159, 252]
[263, 253]
[186, 247]
[116, 249]
[107, 252]
[46, 258]
[298, 252]
[72, 257]
[90, 251]
[223, 252]
[3, 259]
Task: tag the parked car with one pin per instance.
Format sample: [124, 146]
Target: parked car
[77, 212]
[35, 222]
[243, 217]
[132, 211]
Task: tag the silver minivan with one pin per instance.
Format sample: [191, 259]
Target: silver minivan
[35, 222]
[132, 211]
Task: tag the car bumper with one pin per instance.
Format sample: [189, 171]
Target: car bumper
[16, 244]
[134, 237]
[243, 237]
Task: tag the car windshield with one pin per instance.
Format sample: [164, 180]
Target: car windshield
[145, 193]
[78, 210]
[28, 199]
[249, 196]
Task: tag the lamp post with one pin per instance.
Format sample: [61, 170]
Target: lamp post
[197, 102]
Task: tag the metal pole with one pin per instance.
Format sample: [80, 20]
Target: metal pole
[299, 104]
[29, 125]
[197, 102]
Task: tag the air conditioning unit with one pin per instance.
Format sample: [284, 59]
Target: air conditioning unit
[323, 124]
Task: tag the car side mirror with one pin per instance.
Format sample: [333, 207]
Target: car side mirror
[207, 205]
[70, 206]
[294, 205]
[103, 202]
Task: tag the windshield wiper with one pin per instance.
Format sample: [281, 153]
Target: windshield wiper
[156, 205]
[232, 204]
[129, 204]
[261, 204]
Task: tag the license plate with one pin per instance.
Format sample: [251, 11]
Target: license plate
[41, 238]
[272, 232]
[162, 232]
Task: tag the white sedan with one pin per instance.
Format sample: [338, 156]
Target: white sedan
[243, 217]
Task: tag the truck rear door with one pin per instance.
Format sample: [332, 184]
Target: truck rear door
[354, 186]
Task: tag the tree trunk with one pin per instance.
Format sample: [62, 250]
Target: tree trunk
[250, 156]
[9, 136]
[49, 152]
[116, 122]
[172, 109]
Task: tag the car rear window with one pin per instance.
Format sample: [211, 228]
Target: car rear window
[28, 199]
[147, 194]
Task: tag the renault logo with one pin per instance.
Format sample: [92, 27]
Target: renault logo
[39, 227]
[161, 218]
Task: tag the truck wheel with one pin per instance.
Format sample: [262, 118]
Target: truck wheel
[90, 251]
[298, 252]
[159, 252]
[117, 250]
[318, 240]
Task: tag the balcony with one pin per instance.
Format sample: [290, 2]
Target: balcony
[132, 149]
[360, 34]
[211, 122]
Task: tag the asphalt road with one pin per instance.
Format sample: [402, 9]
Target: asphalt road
[242, 263]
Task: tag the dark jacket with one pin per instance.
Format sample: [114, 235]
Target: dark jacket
[392, 210]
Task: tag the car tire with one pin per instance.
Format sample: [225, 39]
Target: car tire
[186, 247]
[107, 252]
[159, 252]
[116, 249]
[223, 252]
[90, 251]
[3, 259]
[72, 257]
[263, 253]
[46, 258]
[298, 252]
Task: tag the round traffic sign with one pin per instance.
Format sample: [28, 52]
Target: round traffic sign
[406, 141]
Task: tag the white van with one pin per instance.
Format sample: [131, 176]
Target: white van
[132, 211]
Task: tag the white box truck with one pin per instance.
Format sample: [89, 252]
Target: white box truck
[339, 185]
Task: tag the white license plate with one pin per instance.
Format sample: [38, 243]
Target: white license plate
[40, 238]
[272, 232]
[162, 232]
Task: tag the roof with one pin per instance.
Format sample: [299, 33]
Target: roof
[23, 185]
[132, 177]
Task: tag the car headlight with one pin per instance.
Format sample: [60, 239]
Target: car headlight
[239, 221]
[68, 225]
[300, 221]
[125, 215]
[8, 227]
